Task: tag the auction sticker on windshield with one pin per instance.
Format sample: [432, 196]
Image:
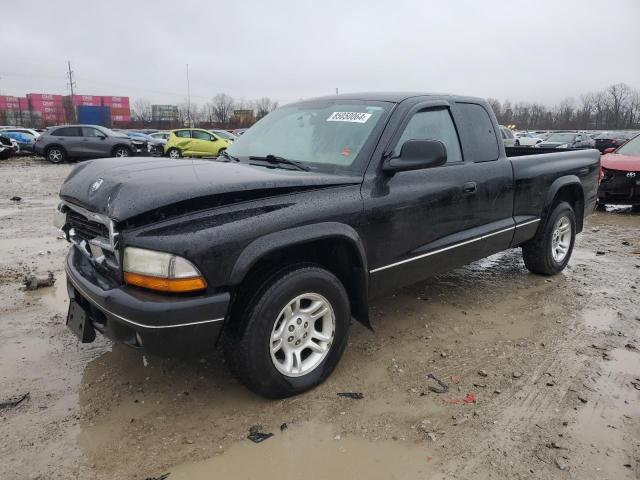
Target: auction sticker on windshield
[356, 117]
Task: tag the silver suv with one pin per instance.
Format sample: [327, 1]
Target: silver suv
[58, 144]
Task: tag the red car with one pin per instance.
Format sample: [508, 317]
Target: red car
[620, 174]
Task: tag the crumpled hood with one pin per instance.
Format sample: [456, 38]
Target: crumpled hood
[122, 188]
[618, 161]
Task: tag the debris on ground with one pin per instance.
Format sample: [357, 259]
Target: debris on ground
[483, 373]
[256, 435]
[283, 427]
[516, 374]
[164, 476]
[468, 399]
[443, 387]
[351, 395]
[561, 465]
[13, 402]
[33, 282]
[16, 198]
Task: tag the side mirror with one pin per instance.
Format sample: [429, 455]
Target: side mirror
[609, 150]
[102, 137]
[416, 155]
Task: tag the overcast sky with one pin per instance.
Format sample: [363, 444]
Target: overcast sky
[536, 50]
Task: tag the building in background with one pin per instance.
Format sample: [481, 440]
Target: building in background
[164, 116]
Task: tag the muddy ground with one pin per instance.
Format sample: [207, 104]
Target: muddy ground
[553, 365]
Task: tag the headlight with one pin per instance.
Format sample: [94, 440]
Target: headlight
[161, 271]
[564, 145]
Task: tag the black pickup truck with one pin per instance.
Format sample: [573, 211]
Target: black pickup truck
[274, 247]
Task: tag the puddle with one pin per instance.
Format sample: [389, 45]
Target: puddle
[312, 450]
[55, 297]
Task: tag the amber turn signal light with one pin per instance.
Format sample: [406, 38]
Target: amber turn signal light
[174, 285]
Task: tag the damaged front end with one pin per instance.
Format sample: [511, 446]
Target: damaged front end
[92, 233]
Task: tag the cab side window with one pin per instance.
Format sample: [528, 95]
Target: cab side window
[434, 124]
[183, 133]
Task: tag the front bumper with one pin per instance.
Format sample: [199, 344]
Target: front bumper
[160, 324]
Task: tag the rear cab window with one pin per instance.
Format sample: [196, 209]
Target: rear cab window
[479, 142]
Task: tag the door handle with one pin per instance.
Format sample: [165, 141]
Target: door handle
[469, 187]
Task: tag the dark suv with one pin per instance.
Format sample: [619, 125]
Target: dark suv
[58, 144]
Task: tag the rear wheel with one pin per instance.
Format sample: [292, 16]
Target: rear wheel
[174, 153]
[56, 154]
[291, 334]
[550, 250]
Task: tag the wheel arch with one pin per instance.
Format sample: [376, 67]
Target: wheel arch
[568, 189]
[332, 245]
[120, 145]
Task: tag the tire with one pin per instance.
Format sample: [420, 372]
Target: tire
[550, 250]
[121, 152]
[220, 151]
[174, 153]
[260, 362]
[56, 154]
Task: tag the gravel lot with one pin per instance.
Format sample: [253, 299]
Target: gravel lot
[543, 375]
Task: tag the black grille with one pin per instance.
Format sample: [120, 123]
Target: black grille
[85, 228]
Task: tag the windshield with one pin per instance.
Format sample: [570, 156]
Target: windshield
[632, 147]
[324, 135]
[561, 137]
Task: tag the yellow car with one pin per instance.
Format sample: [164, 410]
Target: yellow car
[194, 142]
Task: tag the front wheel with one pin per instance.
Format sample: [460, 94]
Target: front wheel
[121, 152]
[550, 250]
[174, 153]
[292, 332]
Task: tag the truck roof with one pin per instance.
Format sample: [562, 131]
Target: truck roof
[394, 97]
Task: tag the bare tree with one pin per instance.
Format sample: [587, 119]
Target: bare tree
[263, 106]
[223, 105]
[618, 95]
[142, 110]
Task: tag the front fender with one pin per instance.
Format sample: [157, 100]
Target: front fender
[290, 237]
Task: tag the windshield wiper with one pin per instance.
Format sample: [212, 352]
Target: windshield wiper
[227, 155]
[282, 161]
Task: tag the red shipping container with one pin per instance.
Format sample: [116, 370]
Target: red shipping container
[38, 104]
[23, 103]
[108, 101]
[6, 100]
[120, 111]
[120, 118]
[89, 100]
[45, 96]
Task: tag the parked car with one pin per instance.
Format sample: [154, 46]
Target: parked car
[160, 136]
[6, 147]
[224, 134]
[194, 142]
[620, 179]
[150, 144]
[275, 249]
[25, 138]
[60, 143]
[508, 137]
[567, 140]
[611, 139]
[526, 139]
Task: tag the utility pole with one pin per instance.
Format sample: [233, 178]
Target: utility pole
[72, 85]
[188, 99]
[336, 90]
